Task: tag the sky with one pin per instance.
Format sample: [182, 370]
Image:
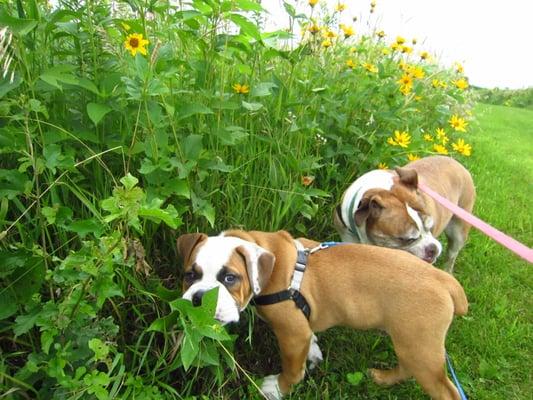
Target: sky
[492, 39]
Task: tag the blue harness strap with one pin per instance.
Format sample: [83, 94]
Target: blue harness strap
[455, 379]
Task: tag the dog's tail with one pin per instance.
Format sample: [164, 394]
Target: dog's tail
[458, 295]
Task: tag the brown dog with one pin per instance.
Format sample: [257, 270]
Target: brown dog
[361, 286]
[386, 208]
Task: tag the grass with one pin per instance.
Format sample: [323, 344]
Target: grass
[491, 346]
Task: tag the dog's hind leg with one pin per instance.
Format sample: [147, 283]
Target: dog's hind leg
[423, 356]
[315, 354]
[456, 232]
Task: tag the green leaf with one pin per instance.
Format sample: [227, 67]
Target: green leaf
[179, 187]
[189, 349]
[47, 338]
[190, 109]
[17, 25]
[247, 27]
[89, 85]
[8, 86]
[262, 89]
[251, 106]
[354, 378]
[85, 226]
[168, 216]
[249, 5]
[231, 135]
[97, 111]
[100, 349]
[23, 323]
[129, 181]
[192, 147]
[9, 304]
[163, 324]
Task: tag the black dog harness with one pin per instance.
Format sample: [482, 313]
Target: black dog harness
[293, 292]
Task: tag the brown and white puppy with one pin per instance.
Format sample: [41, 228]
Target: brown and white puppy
[356, 285]
[386, 208]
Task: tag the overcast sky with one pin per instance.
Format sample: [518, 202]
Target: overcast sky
[493, 39]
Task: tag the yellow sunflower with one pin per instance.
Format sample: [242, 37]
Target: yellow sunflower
[135, 43]
[439, 148]
[457, 123]
[240, 89]
[461, 147]
[401, 139]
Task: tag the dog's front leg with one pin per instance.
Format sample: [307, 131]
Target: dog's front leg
[294, 347]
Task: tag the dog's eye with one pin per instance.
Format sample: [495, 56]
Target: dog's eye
[408, 240]
[230, 279]
[190, 276]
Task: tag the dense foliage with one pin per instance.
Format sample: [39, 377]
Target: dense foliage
[522, 98]
[123, 124]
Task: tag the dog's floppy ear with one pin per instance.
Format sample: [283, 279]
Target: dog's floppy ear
[259, 265]
[408, 177]
[369, 206]
[187, 242]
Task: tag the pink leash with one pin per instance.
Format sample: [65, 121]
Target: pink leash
[515, 246]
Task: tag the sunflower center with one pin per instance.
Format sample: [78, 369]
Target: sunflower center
[134, 42]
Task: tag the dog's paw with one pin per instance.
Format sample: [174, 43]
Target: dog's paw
[387, 377]
[315, 354]
[270, 388]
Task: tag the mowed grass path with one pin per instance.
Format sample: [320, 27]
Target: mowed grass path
[492, 346]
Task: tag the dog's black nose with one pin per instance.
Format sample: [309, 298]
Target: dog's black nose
[197, 298]
[431, 251]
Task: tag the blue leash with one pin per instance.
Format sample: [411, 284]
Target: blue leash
[455, 379]
[325, 245]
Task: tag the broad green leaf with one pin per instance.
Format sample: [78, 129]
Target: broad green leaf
[231, 135]
[191, 109]
[169, 216]
[47, 338]
[179, 187]
[189, 349]
[85, 226]
[129, 181]
[247, 26]
[9, 304]
[163, 324]
[252, 106]
[23, 323]
[59, 73]
[97, 111]
[262, 89]
[6, 86]
[192, 146]
[248, 5]
[89, 85]
[19, 26]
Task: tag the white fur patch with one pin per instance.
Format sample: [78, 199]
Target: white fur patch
[426, 238]
[376, 179]
[314, 356]
[270, 387]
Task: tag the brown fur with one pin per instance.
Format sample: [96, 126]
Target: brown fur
[363, 287]
[389, 222]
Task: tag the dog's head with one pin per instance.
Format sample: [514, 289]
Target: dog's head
[397, 218]
[240, 269]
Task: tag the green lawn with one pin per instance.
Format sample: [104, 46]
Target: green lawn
[492, 346]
